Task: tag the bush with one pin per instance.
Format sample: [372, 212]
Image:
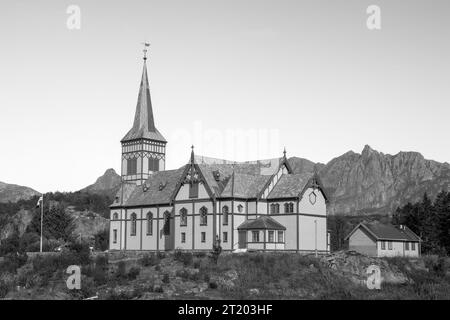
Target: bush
[185, 257]
[213, 285]
[133, 273]
[161, 255]
[4, 289]
[121, 269]
[149, 260]
[166, 278]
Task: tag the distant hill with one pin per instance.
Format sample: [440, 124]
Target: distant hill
[377, 183]
[14, 193]
[107, 184]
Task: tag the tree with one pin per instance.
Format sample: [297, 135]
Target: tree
[58, 224]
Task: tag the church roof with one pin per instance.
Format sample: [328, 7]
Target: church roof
[290, 185]
[144, 124]
[157, 189]
[263, 222]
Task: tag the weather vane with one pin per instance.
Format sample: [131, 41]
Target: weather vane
[146, 45]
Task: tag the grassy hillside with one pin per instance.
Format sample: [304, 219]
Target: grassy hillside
[182, 275]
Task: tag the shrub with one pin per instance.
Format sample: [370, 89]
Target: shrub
[161, 255]
[213, 285]
[149, 260]
[4, 289]
[185, 257]
[166, 278]
[121, 269]
[133, 273]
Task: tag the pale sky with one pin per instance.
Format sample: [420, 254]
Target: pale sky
[238, 79]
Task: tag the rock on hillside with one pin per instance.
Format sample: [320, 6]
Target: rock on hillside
[107, 184]
[373, 182]
[14, 193]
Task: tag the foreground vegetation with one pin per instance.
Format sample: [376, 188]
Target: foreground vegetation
[196, 276]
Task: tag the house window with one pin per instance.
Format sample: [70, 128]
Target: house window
[149, 224]
[390, 245]
[240, 208]
[153, 164]
[271, 233]
[183, 237]
[203, 216]
[274, 208]
[115, 216]
[225, 237]
[255, 236]
[203, 235]
[115, 236]
[183, 217]
[133, 224]
[312, 198]
[413, 246]
[406, 245]
[166, 223]
[131, 166]
[193, 190]
[289, 207]
[383, 245]
[280, 236]
[225, 215]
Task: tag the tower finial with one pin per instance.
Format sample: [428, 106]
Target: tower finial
[192, 154]
[146, 45]
[284, 152]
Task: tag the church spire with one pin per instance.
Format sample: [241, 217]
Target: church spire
[144, 124]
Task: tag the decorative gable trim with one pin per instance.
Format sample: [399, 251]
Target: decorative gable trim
[314, 182]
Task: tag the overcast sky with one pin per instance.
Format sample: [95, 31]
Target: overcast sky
[238, 79]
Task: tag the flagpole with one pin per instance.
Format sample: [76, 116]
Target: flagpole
[42, 218]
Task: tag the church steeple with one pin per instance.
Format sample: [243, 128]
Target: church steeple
[144, 123]
[143, 147]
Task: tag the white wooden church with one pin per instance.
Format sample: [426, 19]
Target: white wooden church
[258, 205]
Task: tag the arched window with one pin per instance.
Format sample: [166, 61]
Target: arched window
[274, 208]
[225, 215]
[133, 224]
[240, 208]
[167, 223]
[149, 224]
[203, 216]
[115, 216]
[288, 207]
[183, 217]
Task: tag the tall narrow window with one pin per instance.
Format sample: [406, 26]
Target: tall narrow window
[183, 237]
[183, 217]
[115, 236]
[203, 216]
[280, 236]
[166, 223]
[271, 238]
[413, 246]
[115, 216]
[225, 237]
[383, 245]
[193, 190]
[390, 245]
[406, 246]
[153, 164]
[225, 215]
[133, 224]
[240, 208]
[131, 166]
[203, 236]
[255, 236]
[149, 224]
[272, 208]
[288, 207]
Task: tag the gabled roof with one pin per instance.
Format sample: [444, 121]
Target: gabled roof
[161, 185]
[263, 222]
[289, 185]
[244, 186]
[124, 193]
[381, 231]
[144, 125]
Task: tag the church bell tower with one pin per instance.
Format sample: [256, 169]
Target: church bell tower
[143, 147]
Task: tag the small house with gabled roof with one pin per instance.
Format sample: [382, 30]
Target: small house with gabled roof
[384, 240]
[261, 205]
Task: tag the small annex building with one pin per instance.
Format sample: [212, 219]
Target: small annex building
[384, 240]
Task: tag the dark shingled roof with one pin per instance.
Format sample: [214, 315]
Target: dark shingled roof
[124, 193]
[144, 125]
[386, 232]
[244, 185]
[263, 222]
[169, 179]
[289, 186]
